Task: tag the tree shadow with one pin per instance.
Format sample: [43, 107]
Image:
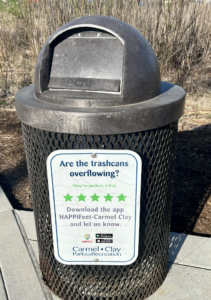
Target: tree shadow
[192, 181]
[176, 241]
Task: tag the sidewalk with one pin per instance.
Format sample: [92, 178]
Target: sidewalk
[189, 274]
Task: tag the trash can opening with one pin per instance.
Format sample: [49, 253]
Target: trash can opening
[87, 59]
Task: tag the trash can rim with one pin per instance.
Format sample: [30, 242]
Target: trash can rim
[157, 112]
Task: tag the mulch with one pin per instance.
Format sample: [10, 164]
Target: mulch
[191, 211]
[13, 171]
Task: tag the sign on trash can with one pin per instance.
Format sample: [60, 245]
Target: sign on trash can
[95, 206]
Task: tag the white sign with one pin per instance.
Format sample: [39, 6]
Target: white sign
[95, 206]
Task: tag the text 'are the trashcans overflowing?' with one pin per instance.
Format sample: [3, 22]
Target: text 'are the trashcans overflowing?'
[91, 173]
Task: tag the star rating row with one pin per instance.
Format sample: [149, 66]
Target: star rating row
[94, 198]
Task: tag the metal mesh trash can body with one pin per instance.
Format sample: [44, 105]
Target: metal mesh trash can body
[147, 127]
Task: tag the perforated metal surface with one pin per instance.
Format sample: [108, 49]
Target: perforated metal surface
[140, 279]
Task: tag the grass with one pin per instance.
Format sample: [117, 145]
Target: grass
[3, 102]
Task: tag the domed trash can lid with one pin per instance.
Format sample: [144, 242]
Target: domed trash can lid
[98, 75]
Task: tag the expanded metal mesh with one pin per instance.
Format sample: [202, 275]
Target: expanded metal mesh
[141, 278]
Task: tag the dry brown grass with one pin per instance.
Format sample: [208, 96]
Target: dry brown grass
[179, 32]
[197, 113]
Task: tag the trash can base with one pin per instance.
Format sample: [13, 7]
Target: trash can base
[138, 287]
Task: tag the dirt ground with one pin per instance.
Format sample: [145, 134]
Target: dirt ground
[191, 211]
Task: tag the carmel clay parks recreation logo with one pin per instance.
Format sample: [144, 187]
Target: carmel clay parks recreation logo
[87, 237]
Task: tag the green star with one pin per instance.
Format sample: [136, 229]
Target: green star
[81, 197]
[108, 197]
[68, 198]
[121, 197]
[95, 197]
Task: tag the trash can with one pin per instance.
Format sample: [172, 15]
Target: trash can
[97, 86]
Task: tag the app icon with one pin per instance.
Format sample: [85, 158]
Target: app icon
[87, 236]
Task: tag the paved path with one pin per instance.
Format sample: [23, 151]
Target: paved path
[189, 274]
